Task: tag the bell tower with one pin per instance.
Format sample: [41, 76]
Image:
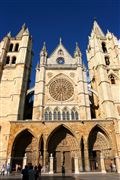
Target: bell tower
[15, 67]
[103, 60]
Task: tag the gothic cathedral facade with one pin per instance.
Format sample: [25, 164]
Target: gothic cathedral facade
[63, 119]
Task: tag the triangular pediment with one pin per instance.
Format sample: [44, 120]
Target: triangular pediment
[60, 52]
[61, 48]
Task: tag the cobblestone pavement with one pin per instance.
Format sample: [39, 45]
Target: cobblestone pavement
[110, 176]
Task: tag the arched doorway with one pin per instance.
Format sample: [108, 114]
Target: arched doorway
[98, 142]
[22, 147]
[63, 146]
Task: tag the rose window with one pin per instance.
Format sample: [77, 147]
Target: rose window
[61, 89]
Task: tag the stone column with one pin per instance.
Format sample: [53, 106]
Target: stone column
[117, 160]
[81, 164]
[102, 162]
[86, 157]
[51, 164]
[76, 165]
[24, 160]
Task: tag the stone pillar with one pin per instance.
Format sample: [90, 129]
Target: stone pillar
[86, 157]
[81, 164]
[76, 165]
[102, 162]
[117, 160]
[24, 160]
[51, 164]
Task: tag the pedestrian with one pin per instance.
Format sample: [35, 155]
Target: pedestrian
[8, 168]
[3, 170]
[36, 172]
[31, 173]
[25, 173]
[113, 167]
[63, 170]
[39, 169]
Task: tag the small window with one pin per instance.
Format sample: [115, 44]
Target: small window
[72, 115]
[107, 61]
[112, 79]
[46, 116]
[11, 48]
[104, 47]
[64, 115]
[55, 115]
[50, 116]
[16, 47]
[60, 52]
[59, 115]
[8, 60]
[13, 60]
[68, 116]
[76, 115]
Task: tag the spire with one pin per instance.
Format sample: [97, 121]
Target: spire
[77, 52]
[23, 29]
[9, 35]
[26, 32]
[60, 41]
[96, 29]
[43, 51]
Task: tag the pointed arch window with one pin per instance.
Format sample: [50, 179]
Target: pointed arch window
[68, 116]
[64, 115]
[7, 60]
[112, 79]
[104, 47]
[74, 115]
[11, 47]
[13, 60]
[107, 61]
[48, 115]
[60, 52]
[16, 47]
[57, 114]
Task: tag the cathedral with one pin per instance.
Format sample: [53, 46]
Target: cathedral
[64, 120]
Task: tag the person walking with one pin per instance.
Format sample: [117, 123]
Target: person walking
[31, 173]
[25, 173]
[36, 173]
[39, 169]
[3, 170]
[8, 168]
[63, 170]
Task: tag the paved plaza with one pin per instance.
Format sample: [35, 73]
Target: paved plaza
[110, 176]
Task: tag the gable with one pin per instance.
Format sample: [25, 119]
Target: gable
[61, 53]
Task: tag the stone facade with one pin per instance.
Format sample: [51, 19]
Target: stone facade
[69, 123]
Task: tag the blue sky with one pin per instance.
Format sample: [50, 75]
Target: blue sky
[48, 20]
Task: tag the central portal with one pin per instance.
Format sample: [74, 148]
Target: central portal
[62, 145]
